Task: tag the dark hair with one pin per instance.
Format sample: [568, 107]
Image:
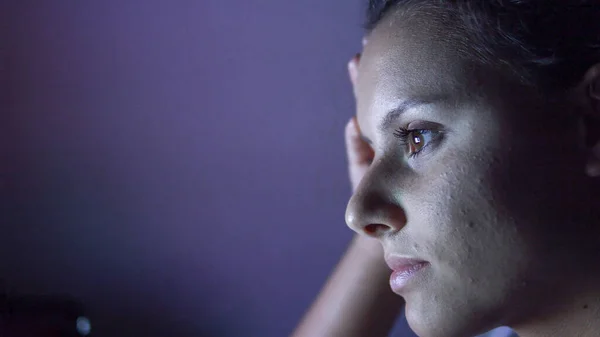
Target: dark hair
[549, 43]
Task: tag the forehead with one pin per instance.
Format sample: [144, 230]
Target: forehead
[408, 60]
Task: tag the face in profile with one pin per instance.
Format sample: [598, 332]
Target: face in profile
[475, 174]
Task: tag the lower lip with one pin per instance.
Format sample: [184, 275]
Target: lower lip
[400, 278]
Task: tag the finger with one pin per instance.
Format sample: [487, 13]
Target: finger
[353, 69]
[358, 151]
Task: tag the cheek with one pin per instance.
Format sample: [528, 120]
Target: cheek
[536, 186]
[532, 168]
[460, 217]
[488, 190]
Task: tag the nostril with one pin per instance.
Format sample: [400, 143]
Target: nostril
[373, 228]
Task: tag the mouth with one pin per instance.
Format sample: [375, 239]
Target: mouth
[404, 270]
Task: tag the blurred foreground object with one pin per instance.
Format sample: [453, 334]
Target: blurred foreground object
[42, 316]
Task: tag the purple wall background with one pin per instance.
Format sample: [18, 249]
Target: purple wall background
[176, 165]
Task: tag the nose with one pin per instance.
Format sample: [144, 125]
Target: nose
[373, 211]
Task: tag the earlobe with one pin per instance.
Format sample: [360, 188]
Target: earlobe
[593, 163]
[590, 93]
[594, 93]
[591, 82]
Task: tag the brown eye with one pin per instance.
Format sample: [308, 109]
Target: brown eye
[416, 141]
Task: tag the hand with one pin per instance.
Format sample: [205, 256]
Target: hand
[357, 299]
[360, 154]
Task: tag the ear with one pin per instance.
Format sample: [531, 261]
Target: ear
[587, 95]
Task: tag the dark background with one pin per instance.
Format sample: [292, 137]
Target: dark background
[177, 166]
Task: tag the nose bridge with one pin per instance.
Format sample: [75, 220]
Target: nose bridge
[373, 209]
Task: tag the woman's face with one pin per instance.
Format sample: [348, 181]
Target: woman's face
[490, 194]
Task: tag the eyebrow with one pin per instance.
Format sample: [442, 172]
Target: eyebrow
[405, 105]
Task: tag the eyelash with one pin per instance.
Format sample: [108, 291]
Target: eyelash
[403, 134]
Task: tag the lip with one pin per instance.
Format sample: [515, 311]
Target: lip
[403, 271]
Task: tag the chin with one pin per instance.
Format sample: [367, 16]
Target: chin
[422, 330]
[438, 322]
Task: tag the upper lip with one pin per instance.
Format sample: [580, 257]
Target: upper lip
[401, 263]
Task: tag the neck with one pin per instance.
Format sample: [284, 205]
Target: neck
[576, 314]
